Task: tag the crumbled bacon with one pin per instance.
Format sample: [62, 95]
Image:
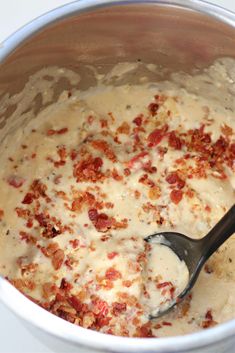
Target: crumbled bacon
[226, 130]
[112, 274]
[65, 285]
[124, 128]
[166, 323]
[154, 192]
[57, 132]
[112, 255]
[164, 284]
[209, 321]
[1, 214]
[48, 289]
[28, 199]
[88, 170]
[144, 179]
[15, 181]
[174, 179]
[176, 196]
[145, 331]
[138, 120]
[153, 108]
[104, 147]
[101, 221]
[174, 141]
[118, 308]
[76, 303]
[156, 136]
[61, 151]
[137, 159]
[57, 259]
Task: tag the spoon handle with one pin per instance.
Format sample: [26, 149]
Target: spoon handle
[219, 234]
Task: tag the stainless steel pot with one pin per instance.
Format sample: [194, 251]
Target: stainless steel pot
[177, 34]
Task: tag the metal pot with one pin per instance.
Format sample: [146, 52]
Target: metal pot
[177, 34]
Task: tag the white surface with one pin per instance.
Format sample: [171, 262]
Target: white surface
[14, 338]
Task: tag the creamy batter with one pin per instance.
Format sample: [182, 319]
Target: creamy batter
[87, 179]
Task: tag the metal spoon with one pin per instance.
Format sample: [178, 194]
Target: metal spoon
[194, 252]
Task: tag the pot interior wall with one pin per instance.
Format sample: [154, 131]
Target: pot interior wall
[176, 38]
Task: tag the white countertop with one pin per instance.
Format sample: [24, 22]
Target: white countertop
[14, 338]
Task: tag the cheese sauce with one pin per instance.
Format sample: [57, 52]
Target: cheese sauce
[87, 179]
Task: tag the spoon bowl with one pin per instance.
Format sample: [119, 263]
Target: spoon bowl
[194, 252]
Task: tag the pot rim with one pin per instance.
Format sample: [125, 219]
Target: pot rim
[48, 322]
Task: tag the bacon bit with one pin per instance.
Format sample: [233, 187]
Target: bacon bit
[112, 274]
[66, 286]
[88, 170]
[156, 136]
[164, 284]
[109, 205]
[176, 196]
[124, 128]
[208, 315]
[208, 269]
[76, 303]
[209, 321]
[116, 176]
[28, 199]
[173, 178]
[57, 132]
[172, 292]
[22, 284]
[226, 130]
[73, 154]
[127, 172]
[1, 214]
[127, 283]
[219, 147]
[174, 141]
[77, 205]
[153, 108]
[166, 323]
[199, 140]
[104, 147]
[15, 181]
[93, 215]
[154, 193]
[102, 321]
[144, 179]
[101, 307]
[103, 123]
[123, 224]
[50, 249]
[118, 308]
[136, 159]
[57, 259]
[101, 221]
[111, 255]
[138, 120]
[74, 243]
[137, 194]
[27, 237]
[48, 289]
[208, 208]
[62, 154]
[145, 331]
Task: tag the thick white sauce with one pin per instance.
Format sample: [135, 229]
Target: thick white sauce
[90, 176]
[166, 277]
